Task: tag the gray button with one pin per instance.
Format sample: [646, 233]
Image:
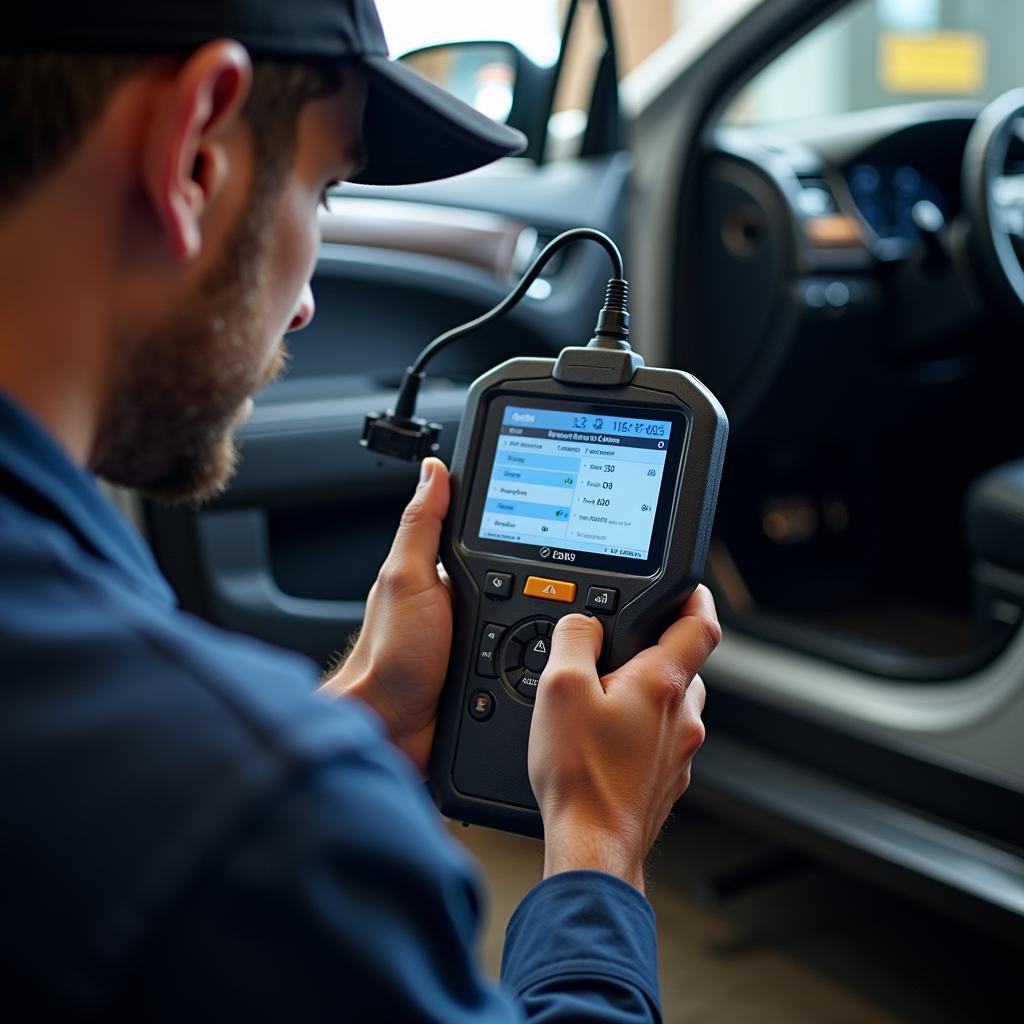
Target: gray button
[499, 585]
[602, 599]
[489, 640]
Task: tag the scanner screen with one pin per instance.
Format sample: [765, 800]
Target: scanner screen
[576, 481]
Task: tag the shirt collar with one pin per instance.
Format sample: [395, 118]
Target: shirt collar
[30, 456]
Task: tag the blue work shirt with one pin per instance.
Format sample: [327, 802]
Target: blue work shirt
[189, 830]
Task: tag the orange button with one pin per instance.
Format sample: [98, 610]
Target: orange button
[550, 590]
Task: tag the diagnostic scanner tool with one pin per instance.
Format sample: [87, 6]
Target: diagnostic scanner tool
[584, 484]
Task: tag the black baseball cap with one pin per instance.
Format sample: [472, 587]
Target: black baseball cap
[414, 131]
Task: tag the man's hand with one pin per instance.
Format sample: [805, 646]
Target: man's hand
[398, 664]
[610, 756]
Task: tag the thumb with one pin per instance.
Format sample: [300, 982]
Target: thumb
[418, 539]
[575, 648]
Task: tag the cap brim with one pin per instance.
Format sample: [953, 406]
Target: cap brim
[415, 131]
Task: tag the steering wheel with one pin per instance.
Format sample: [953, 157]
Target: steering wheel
[994, 199]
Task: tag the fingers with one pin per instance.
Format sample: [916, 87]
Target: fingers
[575, 647]
[701, 602]
[696, 696]
[680, 651]
[692, 638]
[442, 575]
[413, 556]
[693, 733]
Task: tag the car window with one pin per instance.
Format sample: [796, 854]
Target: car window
[535, 25]
[876, 53]
[532, 25]
[483, 80]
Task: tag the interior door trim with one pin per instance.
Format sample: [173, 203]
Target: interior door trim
[234, 545]
[479, 239]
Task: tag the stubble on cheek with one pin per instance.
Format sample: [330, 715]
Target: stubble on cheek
[181, 390]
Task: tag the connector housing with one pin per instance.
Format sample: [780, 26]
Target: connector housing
[410, 439]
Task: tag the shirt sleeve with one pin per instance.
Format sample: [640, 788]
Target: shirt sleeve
[344, 899]
[582, 947]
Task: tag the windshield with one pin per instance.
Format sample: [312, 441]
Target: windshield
[876, 53]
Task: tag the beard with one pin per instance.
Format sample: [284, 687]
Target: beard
[167, 429]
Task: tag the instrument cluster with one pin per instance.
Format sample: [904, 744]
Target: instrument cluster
[886, 195]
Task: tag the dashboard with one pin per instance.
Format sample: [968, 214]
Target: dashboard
[809, 242]
[918, 162]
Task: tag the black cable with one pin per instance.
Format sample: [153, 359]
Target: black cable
[400, 434]
[405, 406]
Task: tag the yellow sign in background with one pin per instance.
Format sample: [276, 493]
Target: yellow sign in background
[946, 62]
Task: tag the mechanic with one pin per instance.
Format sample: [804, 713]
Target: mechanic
[191, 826]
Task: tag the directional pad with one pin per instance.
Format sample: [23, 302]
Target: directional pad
[525, 654]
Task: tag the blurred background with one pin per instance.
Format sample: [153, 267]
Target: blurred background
[871, 54]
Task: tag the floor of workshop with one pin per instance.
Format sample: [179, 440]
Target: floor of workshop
[806, 943]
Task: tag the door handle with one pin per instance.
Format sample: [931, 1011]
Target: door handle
[235, 550]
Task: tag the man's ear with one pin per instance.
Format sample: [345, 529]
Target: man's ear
[184, 159]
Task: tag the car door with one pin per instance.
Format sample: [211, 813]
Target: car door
[867, 700]
[289, 553]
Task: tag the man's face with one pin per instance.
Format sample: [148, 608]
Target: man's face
[182, 388]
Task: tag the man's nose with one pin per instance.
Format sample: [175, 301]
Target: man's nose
[304, 309]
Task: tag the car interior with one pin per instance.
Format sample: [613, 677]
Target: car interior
[845, 309]
[844, 272]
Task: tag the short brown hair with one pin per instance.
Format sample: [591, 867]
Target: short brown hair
[49, 101]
